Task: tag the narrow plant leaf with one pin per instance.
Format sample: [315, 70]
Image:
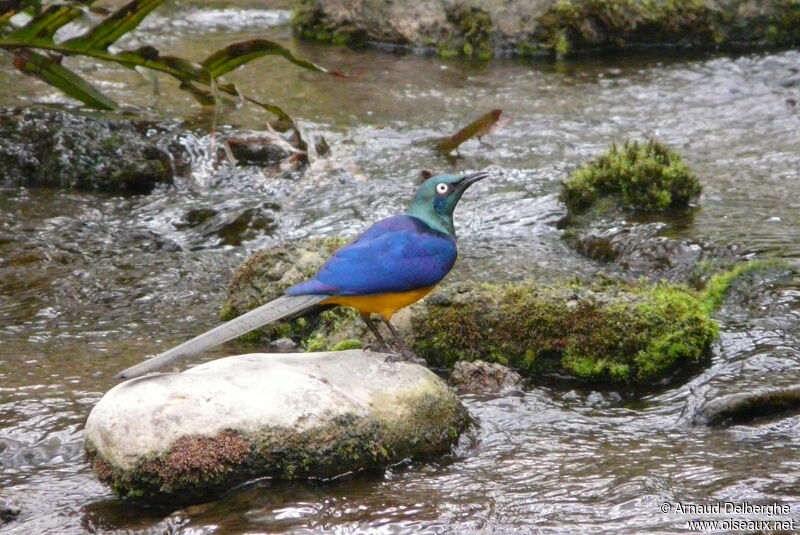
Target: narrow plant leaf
[203, 97]
[150, 57]
[60, 77]
[237, 54]
[481, 126]
[114, 26]
[43, 26]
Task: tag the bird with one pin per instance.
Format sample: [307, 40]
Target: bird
[391, 265]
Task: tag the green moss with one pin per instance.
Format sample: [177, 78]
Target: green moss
[473, 33]
[721, 284]
[527, 49]
[642, 176]
[561, 45]
[445, 51]
[310, 22]
[610, 334]
[784, 27]
[618, 24]
[613, 23]
[350, 343]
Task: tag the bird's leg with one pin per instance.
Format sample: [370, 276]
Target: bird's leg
[405, 352]
[375, 331]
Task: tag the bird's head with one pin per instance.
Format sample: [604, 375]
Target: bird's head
[437, 197]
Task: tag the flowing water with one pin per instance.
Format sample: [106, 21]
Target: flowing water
[90, 283]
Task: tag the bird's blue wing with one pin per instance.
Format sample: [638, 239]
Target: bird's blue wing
[398, 254]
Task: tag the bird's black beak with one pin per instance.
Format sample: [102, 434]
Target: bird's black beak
[470, 179]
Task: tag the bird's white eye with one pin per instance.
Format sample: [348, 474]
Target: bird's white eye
[442, 188]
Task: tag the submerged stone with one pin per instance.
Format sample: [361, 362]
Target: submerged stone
[184, 437]
[9, 508]
[747, 407]
[647, 250]
[478, 377]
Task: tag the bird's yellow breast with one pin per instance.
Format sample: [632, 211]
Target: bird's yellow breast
[384, 304]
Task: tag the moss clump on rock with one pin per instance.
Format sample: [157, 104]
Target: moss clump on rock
[641, 176]
[742, 278]
[265, 276]
[579, 24]
[472, 32]
[312, 23]
[616, 333]
[551, 27]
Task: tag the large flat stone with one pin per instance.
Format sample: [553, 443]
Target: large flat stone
[182, 437]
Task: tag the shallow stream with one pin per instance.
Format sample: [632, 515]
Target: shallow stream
[91, 283]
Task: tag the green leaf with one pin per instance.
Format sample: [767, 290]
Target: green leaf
[43, 26]
[202, 96]
[237, 54]
[114, 26]
[150, 57]
[53, 73]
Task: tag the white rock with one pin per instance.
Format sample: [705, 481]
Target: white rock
[183, 436]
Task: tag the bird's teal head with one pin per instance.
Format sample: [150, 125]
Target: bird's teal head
[438, 196]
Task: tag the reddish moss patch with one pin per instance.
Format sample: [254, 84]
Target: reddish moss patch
[197, 457]
[102, 469]
[197, 468]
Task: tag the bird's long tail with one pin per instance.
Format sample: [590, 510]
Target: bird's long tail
[275, 310]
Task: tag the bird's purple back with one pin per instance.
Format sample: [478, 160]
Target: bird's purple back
[397, 254]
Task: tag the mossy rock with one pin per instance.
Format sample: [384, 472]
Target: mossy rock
[600, 333]
[611, 333]
[743, 281]
[187, 437]
[550, 28]
[472, 32]
[641, 176]
[267, 274]
[49, 147]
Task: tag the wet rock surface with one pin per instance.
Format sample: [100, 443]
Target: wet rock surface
[56, 148]
[620, 210]
[747, 407]
[549, 27]
[181, 438]
[91, 151]
[643, 250]
[480, 377]
[9, 508]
